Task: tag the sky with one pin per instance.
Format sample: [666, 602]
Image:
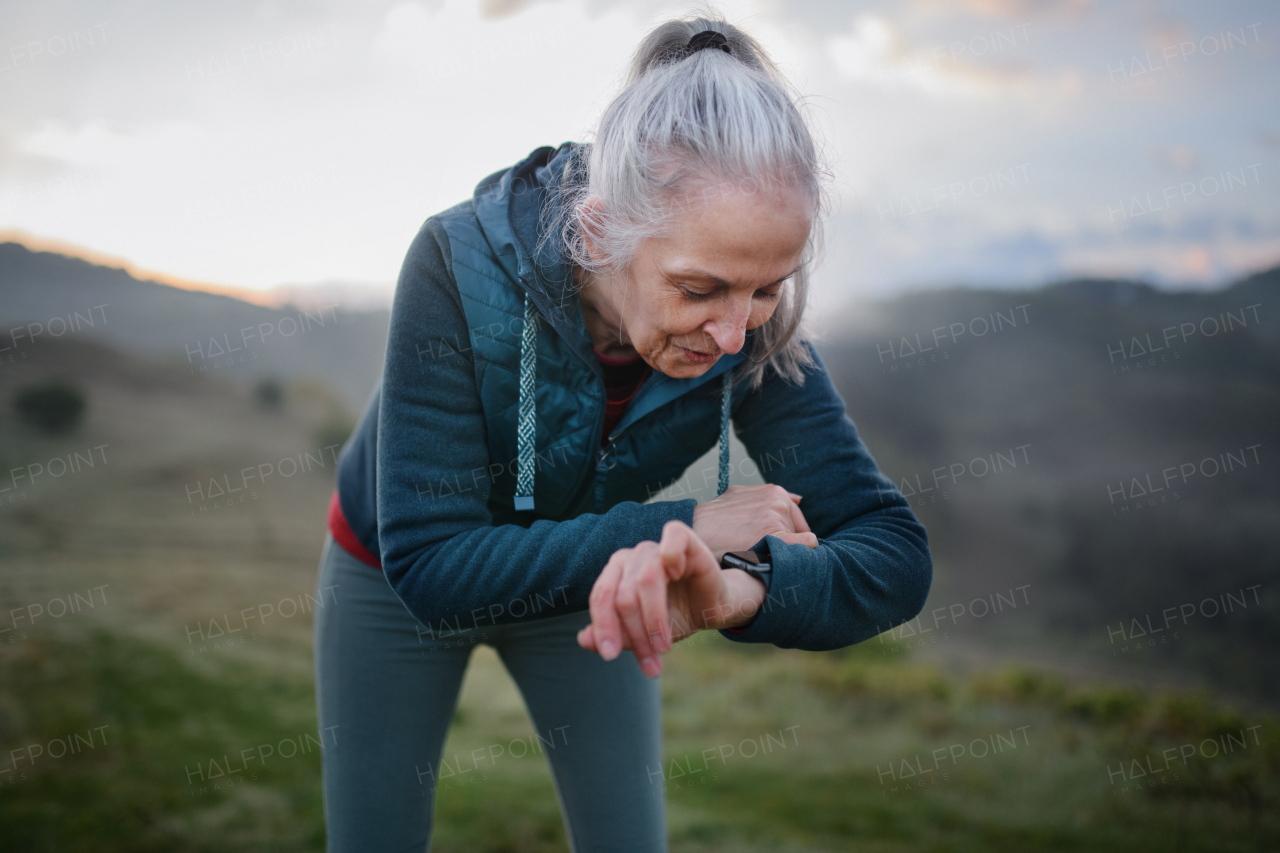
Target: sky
[1003, 143]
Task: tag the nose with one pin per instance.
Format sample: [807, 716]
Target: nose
[729, 330]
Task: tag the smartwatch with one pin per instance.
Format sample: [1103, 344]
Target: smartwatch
[747, 561]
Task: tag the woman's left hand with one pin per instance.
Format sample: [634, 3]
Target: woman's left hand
[658, 593]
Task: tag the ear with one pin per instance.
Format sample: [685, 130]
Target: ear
[591, 217]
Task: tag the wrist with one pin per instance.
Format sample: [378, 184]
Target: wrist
[740, 600]
[698, 523]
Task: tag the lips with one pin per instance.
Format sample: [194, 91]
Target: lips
[697, 357]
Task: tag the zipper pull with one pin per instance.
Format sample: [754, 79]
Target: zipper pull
[602, 472]
[602, 458]
[607, 450]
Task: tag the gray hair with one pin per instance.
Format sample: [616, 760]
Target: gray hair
[684, 118]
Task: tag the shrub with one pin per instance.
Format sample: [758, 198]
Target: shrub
[268, 393]
[52, 407]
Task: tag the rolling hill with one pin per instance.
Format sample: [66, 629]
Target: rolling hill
[48, 296]
[1101, 450]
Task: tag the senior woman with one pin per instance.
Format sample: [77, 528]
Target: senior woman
[587, 325]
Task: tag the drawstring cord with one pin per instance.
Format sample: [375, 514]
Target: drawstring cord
[725, 396]
[526, 426]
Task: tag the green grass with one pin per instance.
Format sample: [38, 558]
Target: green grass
[852, 714]
[130, 790]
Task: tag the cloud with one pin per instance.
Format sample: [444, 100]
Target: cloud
[1180, 157]
[493, 10]
[315, 139]
[89, 144]
[1158, 34]
[984, 65]
[1012, 10]
[406, 27]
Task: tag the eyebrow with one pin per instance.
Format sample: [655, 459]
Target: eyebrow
[726, 284]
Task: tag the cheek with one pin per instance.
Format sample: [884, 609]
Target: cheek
[683, 320]
[760, 313]
[676, 320]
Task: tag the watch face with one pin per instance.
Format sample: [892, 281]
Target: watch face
[746, 561]
[738, 560]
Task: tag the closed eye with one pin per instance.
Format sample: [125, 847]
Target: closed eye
[679, 277]
[696, 296]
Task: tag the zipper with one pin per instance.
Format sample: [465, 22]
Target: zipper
[602, 472]
[602, 455]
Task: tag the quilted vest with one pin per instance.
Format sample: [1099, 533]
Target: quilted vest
[527, 334]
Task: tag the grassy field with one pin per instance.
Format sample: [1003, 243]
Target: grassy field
[766, 750]
[121, 718]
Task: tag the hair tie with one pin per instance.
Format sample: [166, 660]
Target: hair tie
[705, 39]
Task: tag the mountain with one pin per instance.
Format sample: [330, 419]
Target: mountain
[1112, 445]
[1100, 452]
[48, 295]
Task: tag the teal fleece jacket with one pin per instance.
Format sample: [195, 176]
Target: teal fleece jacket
[427, 480]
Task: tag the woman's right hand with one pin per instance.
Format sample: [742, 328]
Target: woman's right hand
[744, 515]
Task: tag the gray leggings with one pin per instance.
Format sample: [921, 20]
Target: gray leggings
[386, 689]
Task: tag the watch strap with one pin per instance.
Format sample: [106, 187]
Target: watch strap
[749, 562]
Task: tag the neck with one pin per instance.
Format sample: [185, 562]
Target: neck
[601, 315]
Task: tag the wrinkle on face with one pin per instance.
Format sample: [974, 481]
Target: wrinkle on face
[690, 295]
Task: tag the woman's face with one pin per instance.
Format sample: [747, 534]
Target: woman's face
[689, 297]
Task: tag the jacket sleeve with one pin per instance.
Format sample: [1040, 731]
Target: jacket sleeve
[871, 570]
[444, 557]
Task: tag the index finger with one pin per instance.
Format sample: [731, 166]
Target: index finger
[681, 546]
[797, 519]
[608, 632]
